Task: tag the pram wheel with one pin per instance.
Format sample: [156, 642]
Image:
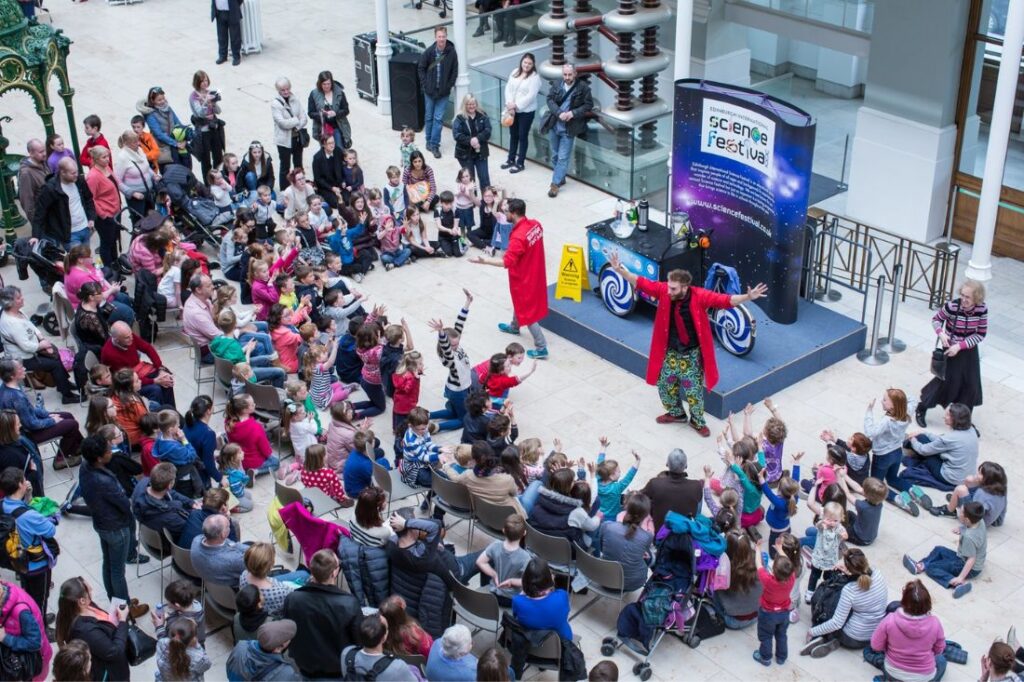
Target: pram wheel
[643, 671]
[608, 646]
[693, 642]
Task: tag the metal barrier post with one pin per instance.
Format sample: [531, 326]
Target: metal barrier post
[890, 344]
[828, 291]
[872, 355]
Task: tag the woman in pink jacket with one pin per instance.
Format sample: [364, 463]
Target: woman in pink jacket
[909, 642]
[23, 627]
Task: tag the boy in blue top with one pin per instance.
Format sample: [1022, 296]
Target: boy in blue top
[418, 450]
[358, 472]
[33, 529]
[609, 484]
[171, 444]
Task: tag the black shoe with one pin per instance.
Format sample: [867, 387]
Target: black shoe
[942, 511]
[510, 42]
[919, 417]
[70, 398]
[516, 169]
[140, 559]
[436, 151]
[479, 31]
[221, 60]
[418, 5]
[507, 165]
[236, 61]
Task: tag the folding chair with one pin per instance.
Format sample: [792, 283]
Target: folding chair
[478, 608]
[390, 481]
[198, 367]
[153, 542]
[454, 499]
[605, 578]
[63, 311]
[222, 377]
[269, 409]
[555, 550]
[490, 518]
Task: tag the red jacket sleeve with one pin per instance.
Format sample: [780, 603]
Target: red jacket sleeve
[515, 251]
[712, 299]
[650, 287]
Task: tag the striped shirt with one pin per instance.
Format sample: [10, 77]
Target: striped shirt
[321, 387]
[965, 327]
[460, 370]
[419, 452]
[377, 536]
[858, 612]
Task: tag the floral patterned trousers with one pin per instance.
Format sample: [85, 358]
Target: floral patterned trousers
[682, 380]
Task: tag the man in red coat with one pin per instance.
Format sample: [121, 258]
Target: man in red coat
[682, 358]
[527, 279]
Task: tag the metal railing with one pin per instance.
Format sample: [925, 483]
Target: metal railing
[849, 251]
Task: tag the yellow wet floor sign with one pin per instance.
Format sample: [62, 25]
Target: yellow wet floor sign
[571, 273]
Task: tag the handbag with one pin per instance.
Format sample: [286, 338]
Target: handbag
[19, 665]
[303, 136]
[939, 360]
[139, 647]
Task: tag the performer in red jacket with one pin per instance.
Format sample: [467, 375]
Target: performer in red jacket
[527, 280]
[682, 357]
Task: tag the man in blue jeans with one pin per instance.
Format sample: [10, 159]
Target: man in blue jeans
[112, 517]
[437, 69]
[569, 102]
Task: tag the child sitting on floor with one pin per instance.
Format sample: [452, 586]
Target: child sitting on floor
[951, 569]
[315, 474]
[862, 523]
[318, 371]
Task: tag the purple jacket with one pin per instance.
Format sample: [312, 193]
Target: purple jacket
[910, 643]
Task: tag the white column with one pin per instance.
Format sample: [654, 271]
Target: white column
[383, 53]
[980, 265]
[459, 37]
[684, 36]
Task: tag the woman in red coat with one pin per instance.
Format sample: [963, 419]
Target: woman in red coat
[682, 358]
[527, 280]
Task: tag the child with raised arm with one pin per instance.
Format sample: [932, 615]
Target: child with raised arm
[611, 483]
[782, 505]
[773, 611]
[460, 369]
[771, 440]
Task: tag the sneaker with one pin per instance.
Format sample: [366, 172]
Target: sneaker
[825, 648]
[919, 418]
[358, 277]
[763, 661]
[807, 596]
[507, 165]
[508, 329]
[809, 647]
[703, 429]
[910, 565]
[949, 497]
[779, 660]
[251, 473]
[236, 61]
[538, 354]
[904, 502]
[553, 190]
[794, 616]
[388, 267]
[274, 356]
[478, 32]
[66, 462]
[433, 428]
[517, 169]
[668, 418]
[941, 511]
[347, 502]
[919, 496]
[961, 589]
[140, 559]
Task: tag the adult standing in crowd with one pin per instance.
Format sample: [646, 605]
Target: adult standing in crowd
[106, 199]
[961, 324]
[24, 626]
[104, 632]
[569, 102]
[471, 129]
[38, 424]
[527, 279]
[135, 175]
[328, 110]
[290, 134]
[23, 341]
[205, 106]
[64, 209]
[437, 68]
[35, 530]
[682, 356]
[521, 103]
[328, 172]
[162, 122]
[32, 172]
[228, 15]
[672, 490]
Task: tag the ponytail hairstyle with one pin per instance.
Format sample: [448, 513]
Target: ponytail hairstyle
[201, 404]
[993, 478]
[729, 499]
[789, 489]
[181, 633]
[857, 566]
[638, 508]
[310, 360]
[234, 409]
[791, 548]
[513, 466]
[288, 414]
[409, 361]
[726, 520]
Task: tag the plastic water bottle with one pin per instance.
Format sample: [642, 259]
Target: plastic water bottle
[39, 401]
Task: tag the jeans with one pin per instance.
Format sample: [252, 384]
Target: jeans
[519, 137]
[539, 342]
[877, 659]
[264, 346]
[275, 375]
[887, 468]
[773, 625]
[454, 412]
[433, 119]
[158, 394]
[561, 150]
[396, 258]
[943, 564]
[114, 546]
[228, 29]
[270, 464]
[477, 169]
[122, 310]
[467, 566]
[82, 236]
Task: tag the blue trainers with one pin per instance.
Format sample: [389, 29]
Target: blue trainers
[919, 496]
[508, 329]
[539, 354]
[961, 589]
[763, 661]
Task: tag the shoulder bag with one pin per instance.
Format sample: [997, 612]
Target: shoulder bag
[140, 647]
[19, 665]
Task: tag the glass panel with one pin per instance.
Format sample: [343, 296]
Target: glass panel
[993, 22]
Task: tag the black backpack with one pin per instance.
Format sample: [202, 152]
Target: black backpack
[370, 675]
[826, 597]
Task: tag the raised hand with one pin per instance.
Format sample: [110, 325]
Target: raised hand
[797, 456]
[754, 293]
[469, 297]
[748, 410]
[436, 325]
[604, 442]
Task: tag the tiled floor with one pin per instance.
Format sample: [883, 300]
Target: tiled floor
[119, 52]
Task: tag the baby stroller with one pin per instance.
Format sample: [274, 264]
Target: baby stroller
[199, 218]
[46, 259]
[677, 598]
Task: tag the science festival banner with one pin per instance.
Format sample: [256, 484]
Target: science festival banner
[741, 166]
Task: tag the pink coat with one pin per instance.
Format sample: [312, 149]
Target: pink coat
[340, 438]
[18, 601]
[910, 643]
[311, 533]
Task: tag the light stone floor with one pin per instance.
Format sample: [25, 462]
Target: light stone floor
[119, 52]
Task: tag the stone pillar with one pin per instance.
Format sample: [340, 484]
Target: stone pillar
[684, 38]
[902, 160]
[383, 53]
[459, 37]
[719, 48]
[980, 265]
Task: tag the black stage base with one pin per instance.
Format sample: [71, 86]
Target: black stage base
[782, 356]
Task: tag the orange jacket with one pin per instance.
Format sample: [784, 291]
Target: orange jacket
[150, 148]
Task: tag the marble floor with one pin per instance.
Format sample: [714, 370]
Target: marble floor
[121, 51]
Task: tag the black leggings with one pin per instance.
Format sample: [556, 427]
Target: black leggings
[376, 403]
[53, 367]
[290, 157]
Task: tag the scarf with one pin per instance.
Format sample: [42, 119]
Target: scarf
[677, 314]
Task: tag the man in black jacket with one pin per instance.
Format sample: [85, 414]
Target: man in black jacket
[569, 102]
[228, 15]
[111, 515]
[437, 69]
[327, 619]
[327, 173]
[64, 209]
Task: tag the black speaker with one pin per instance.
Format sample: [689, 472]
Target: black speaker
[407, 108]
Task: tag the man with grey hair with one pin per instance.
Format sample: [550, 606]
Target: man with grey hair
[451, 656]
[569, 102]
[64, 209]
[216, 558]
[32, 174]
[672, 490]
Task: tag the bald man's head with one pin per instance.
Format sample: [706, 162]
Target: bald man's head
[36, 150]
[121, 334]
[68, 170]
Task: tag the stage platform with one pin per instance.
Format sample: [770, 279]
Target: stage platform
[782, 356]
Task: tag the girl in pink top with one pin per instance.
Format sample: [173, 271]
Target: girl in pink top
[286, 341]
[261, 280]
[369, 347]
[249, 434]
[341, 433]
